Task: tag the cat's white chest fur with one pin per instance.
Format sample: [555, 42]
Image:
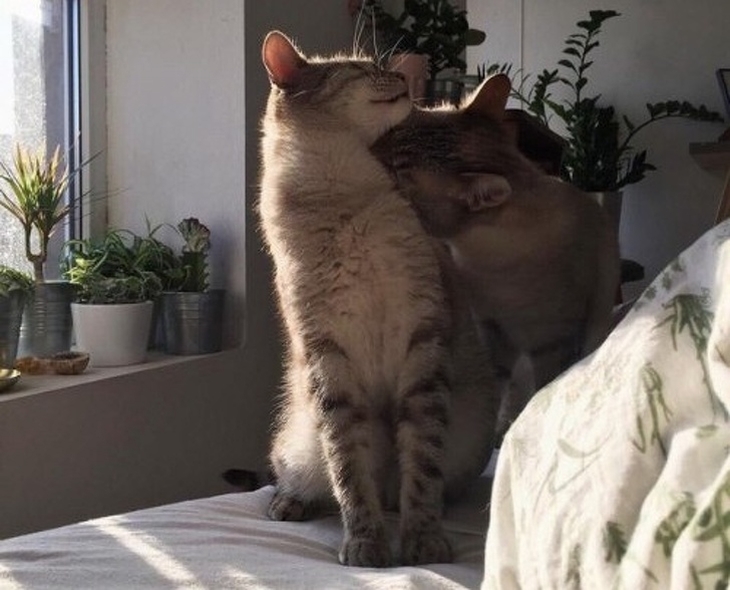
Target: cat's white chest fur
[369, 283]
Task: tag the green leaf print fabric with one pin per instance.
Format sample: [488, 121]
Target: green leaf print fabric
[617, 474]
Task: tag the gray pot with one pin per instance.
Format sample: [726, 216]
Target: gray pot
[11, 316]
[47, 326]
[193, 322]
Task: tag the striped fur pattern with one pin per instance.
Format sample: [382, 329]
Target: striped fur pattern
[371, 391]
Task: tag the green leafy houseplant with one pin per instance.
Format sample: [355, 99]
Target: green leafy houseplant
[435, 28]
[14, 280]
[599, 155]
[115, 269]
[34, 193]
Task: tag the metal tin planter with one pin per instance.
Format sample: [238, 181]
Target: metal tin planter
[47, 327]
[193, 322]
[11, 316]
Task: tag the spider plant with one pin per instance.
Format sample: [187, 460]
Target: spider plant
[115, 269]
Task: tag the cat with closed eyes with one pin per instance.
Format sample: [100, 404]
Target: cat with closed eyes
[388, 399]
[538, 257]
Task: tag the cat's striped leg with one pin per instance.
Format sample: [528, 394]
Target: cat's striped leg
[422, 420]
[346, 433]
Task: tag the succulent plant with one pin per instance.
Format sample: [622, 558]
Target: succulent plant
[194, 254]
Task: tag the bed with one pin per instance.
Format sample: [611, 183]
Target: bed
[226, 542]
[616, 475]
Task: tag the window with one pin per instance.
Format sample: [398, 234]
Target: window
[38, 99]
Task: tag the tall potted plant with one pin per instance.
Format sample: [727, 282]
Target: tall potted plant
[435, 29]
[15, 287]
[192, 312]
[599, 156]
[114, 293]
[33, 190]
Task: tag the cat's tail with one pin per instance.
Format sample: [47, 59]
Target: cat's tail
[246, 480]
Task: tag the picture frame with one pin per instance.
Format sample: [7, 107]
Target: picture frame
[723, 79]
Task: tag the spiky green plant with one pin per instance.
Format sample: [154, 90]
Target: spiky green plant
[34, 193]
[113, 270]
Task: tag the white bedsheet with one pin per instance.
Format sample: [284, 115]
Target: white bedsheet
[225, 542]
[617, 475]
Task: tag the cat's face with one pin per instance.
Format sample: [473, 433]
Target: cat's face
[340, 94]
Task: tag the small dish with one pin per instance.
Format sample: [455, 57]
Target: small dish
[69, 363]
[8, 378]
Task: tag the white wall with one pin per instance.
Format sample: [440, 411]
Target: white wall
[185, 92]
[654, 51]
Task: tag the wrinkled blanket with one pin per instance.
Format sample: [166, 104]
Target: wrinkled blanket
[227, 542]
[617, 474]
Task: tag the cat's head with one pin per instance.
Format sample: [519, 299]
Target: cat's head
[338, 93]
[470, 138]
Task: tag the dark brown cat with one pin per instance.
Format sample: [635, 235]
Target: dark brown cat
[538, 257]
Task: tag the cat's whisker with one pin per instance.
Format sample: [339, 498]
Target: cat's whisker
[359, 30]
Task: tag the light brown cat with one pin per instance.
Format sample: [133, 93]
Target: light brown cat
[387, 395]
[538, 257]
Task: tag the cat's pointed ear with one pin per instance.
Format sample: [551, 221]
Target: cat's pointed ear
[490, 97]
[486, 190]
[282, 60]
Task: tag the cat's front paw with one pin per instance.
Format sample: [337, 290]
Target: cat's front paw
[420, 547]
[286, 507]
[365, 552]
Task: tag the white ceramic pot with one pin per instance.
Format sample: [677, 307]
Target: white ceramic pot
[114, 335]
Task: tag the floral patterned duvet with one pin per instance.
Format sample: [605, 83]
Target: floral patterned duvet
[617, 475]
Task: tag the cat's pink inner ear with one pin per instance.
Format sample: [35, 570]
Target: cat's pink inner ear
[282, 60]
[488, 190]
[490, 97]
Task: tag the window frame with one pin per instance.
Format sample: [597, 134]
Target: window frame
[91, 63]
[82, 109]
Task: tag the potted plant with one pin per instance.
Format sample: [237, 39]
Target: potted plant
[114, 294]
[33, 190]
[599, 155]
[159, 258]
[435, 29]
[15, 287]
[192, 312]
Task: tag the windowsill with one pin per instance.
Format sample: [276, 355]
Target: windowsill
[30, 385]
